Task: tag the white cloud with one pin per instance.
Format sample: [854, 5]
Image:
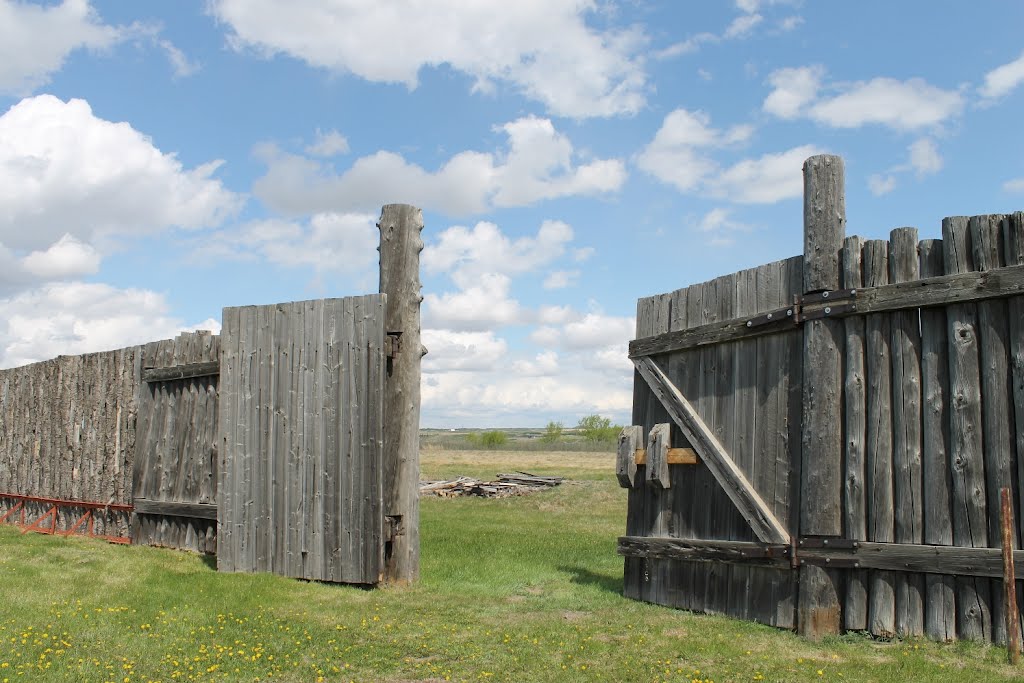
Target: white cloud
[543, 48]
[1014, 186]
[587, 332]
[536, 166]
[901, 105]
[674, 155]
[486, 249]
[65, 171]
[497, 399]
[451, 351]
[679, 155]
[66, 258]
[329, 144]
[748, 6]
[766, 180]
[35, 40]
[479, 305]
[881, 184]
[792, 90]
[1003, 79]
[182, 65]
[544, 364]
[75, 318]
[790, 23]
[924, 157]
[741, 26]
[720, 227]
[560, 279]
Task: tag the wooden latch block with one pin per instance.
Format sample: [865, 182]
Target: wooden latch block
[632, 453]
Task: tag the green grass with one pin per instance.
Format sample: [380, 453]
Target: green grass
[520, 589]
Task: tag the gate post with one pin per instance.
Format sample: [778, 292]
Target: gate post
[400, 247]
[821, 430]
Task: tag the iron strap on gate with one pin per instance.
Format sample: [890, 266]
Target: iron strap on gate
[809, 307]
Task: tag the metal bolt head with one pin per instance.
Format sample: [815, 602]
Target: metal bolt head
[824, 295]
[828, 310]
[750, 323]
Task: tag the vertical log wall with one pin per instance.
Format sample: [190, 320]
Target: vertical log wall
[67, 431]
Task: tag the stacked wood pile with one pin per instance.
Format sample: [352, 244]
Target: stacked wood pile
[515, 484]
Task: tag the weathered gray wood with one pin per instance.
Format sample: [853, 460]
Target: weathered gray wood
[175, 509]
[175, 443]
[970, 527]
[67, 432]
[891, 557]
[400, 246]
[703, 550]
[1013, 237]
[657, 456]
[935, 291]
[855, 607]
[818, 612]
[728, 475]
[878, 451]
[625, 463]
[997, 415]
[904, 266]
[939, 559]
[301, 486]
[940, 605]
[185, 371]
[824, 221]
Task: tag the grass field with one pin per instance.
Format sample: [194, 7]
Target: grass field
[520, 589]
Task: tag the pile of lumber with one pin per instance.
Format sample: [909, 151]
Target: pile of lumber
[515, 484]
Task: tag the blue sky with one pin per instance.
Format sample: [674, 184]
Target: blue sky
[159, 161]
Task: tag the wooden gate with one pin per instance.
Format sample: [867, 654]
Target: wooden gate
[175, 469]
[852, 419]
[300, 444]
[738, 404]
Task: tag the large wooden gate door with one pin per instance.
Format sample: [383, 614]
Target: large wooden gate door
[300, 441]
[174, 489]
[712, 460]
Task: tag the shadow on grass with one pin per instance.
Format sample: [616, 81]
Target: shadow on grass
[210, 561]
[611, 583]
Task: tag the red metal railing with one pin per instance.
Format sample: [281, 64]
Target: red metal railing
[53, 511]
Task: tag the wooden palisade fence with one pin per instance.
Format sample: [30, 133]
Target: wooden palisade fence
[854, 413]
[289, 443]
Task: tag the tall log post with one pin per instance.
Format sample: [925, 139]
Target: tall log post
[822, 435]
[400, 246]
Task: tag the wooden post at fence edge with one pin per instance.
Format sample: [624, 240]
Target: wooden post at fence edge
[1009, 583]
[400, 247]
[820, 483]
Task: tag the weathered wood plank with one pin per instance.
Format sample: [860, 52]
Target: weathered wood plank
[703, 550]
[996, 399]
[878, 451]
[970, 525]
[943, 290]
[728, 475]
[940, 605]
[175, 509]
[904, 266]
[657, 449]
[626, 455]
[818, 612]
[183, 371]
[855, 606]
[400, 245]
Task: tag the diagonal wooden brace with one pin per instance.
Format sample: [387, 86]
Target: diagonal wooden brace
[728, 475]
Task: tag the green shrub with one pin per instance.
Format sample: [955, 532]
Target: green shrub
[599, 429]
[553, 433]
[493, 439]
